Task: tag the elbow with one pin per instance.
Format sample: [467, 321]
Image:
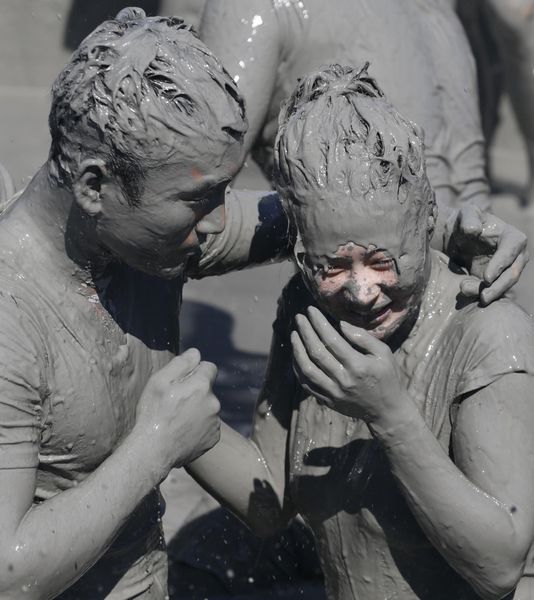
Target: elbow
[498, 580]
[498, 587]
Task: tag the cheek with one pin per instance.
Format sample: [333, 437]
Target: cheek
[329, 286]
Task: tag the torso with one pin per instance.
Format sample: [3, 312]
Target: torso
[340, 482]
[95, 353]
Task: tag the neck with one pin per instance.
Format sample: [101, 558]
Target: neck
[48, 215]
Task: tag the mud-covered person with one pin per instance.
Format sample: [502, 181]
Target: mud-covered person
[146, 133]
[396, 418]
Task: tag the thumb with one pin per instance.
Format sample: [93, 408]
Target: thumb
[208, 370]
[183, 365]
[470, 287]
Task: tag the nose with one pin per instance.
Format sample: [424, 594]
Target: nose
[362, 294]
[213, 222]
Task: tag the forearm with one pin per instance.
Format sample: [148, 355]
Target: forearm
[238, 476]
[474, 531]
[256, 232]
[58, 540]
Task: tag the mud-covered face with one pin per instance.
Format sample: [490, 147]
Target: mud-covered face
[376, 273]
[181, 203]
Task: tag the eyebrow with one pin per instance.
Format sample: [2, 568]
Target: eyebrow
[368, 254]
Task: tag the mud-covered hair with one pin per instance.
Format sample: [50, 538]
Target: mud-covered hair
[337, 133]
[137, 92]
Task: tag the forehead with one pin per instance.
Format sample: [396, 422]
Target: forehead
[190, 174]
[353, 250]
[325, 226]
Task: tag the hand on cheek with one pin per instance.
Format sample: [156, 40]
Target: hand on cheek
[350, 371]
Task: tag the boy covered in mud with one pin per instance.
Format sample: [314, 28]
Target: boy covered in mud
[396, 417]
[146, 134]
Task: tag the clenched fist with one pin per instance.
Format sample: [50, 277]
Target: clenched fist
[178, 414]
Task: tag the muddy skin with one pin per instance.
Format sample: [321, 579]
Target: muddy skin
[95, 405]
[398, 455]
[93, 257]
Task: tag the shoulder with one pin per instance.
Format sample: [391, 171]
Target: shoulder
[501, 320]
[21, 321]
[491, 342]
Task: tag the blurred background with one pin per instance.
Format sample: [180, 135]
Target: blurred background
[228, 319]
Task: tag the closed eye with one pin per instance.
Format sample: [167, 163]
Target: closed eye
[336, 267]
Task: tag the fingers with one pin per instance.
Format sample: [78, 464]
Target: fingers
[471, 220]
[511, 243]
[503, 283]
[329, 337]
[362, 339]
[319, 351]
[309, 375]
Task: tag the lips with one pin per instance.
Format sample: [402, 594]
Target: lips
[374, 318]
[379, 318]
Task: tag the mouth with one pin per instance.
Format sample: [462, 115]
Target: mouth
[374, 318]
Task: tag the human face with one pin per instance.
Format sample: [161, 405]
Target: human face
[375, 285]
[180, 204]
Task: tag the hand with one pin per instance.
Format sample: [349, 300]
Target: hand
[491, 249]
[178, 411]
[353, 372]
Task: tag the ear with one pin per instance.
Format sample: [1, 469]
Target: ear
[87, 186]
[298, 252]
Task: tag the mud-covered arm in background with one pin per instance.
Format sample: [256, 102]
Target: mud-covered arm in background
[247, 39]
[477, 509]
[249, 477]
[454, 62]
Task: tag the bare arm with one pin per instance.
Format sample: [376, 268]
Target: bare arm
[478, 512]
[249, 476]
[246, 38]
[45, 548]
[455, 67]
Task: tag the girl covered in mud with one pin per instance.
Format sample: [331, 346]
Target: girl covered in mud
[395, 417]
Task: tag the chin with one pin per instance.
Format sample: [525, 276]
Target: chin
[171, 272]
